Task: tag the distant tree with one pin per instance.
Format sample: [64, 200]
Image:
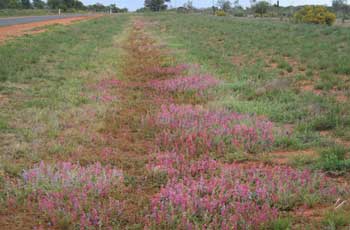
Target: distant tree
[54, 4]
[69, 4]
[116, 9]
[39, 4]
[124, 10]
[252, 2]
[277, 4]
[261, 7]
[142, 10]
[341, 6]
[3, 4]
[79, 5]
[188, 5]
[26, 4]
[97, 7]
[236, 4]
[224, 5]
[11, 4]
[238, 10]
[14, 4]
[156, 5]
[66, 4]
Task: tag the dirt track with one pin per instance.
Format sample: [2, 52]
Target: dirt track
[7, 32]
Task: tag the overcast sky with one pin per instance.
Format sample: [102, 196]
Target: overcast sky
[135, 4]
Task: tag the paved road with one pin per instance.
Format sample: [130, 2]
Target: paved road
[29, 19]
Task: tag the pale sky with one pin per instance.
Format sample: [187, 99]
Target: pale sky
[135, 4]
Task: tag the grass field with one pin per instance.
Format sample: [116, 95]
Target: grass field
[169, 121]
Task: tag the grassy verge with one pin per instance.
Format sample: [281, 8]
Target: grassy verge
[293, 74]
[263, 82]
[51, 105]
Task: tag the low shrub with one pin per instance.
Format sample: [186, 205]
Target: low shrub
[315, 15]
[239, 198]
[3, 124]
[327, 121]
[196, 130]
[337, 219]
[73, 195]
[239, 13]
[220, 13]
[177, 165]
[334, 159]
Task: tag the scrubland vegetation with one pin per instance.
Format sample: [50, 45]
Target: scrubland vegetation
[155, 121]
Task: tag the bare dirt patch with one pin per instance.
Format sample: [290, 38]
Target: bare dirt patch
[314, 213]
[238, 60]
[340, 96]
[3, 99]
[337, 140]
[284, 157]
[308, 86]
[8, 32]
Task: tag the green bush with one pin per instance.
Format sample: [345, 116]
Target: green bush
[324, 122]
[315, 15]
[220, 13]
[334, 159]
[239, 13]
[261, 8]
[336, 219]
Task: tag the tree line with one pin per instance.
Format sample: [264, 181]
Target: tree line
[258, 8]
[58, 4]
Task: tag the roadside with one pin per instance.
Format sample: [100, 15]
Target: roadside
[4, 13]
[7, 32]
[9, 21]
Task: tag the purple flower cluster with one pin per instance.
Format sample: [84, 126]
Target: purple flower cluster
[80, 195]
[205, 193]
[194, 129]
[178, 166]
[188, 83]
[238, 198]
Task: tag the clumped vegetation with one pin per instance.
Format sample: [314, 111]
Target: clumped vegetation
[220, 13]
[315, 15]
[195, 130]
[334, 159]
[261, 8]
[72, 195]
[239, 197]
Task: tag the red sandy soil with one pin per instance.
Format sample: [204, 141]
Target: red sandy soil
[7, 32]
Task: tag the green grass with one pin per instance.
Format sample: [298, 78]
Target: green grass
[46, 79]
[334, 159]
[298, 52]
[337, 219]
